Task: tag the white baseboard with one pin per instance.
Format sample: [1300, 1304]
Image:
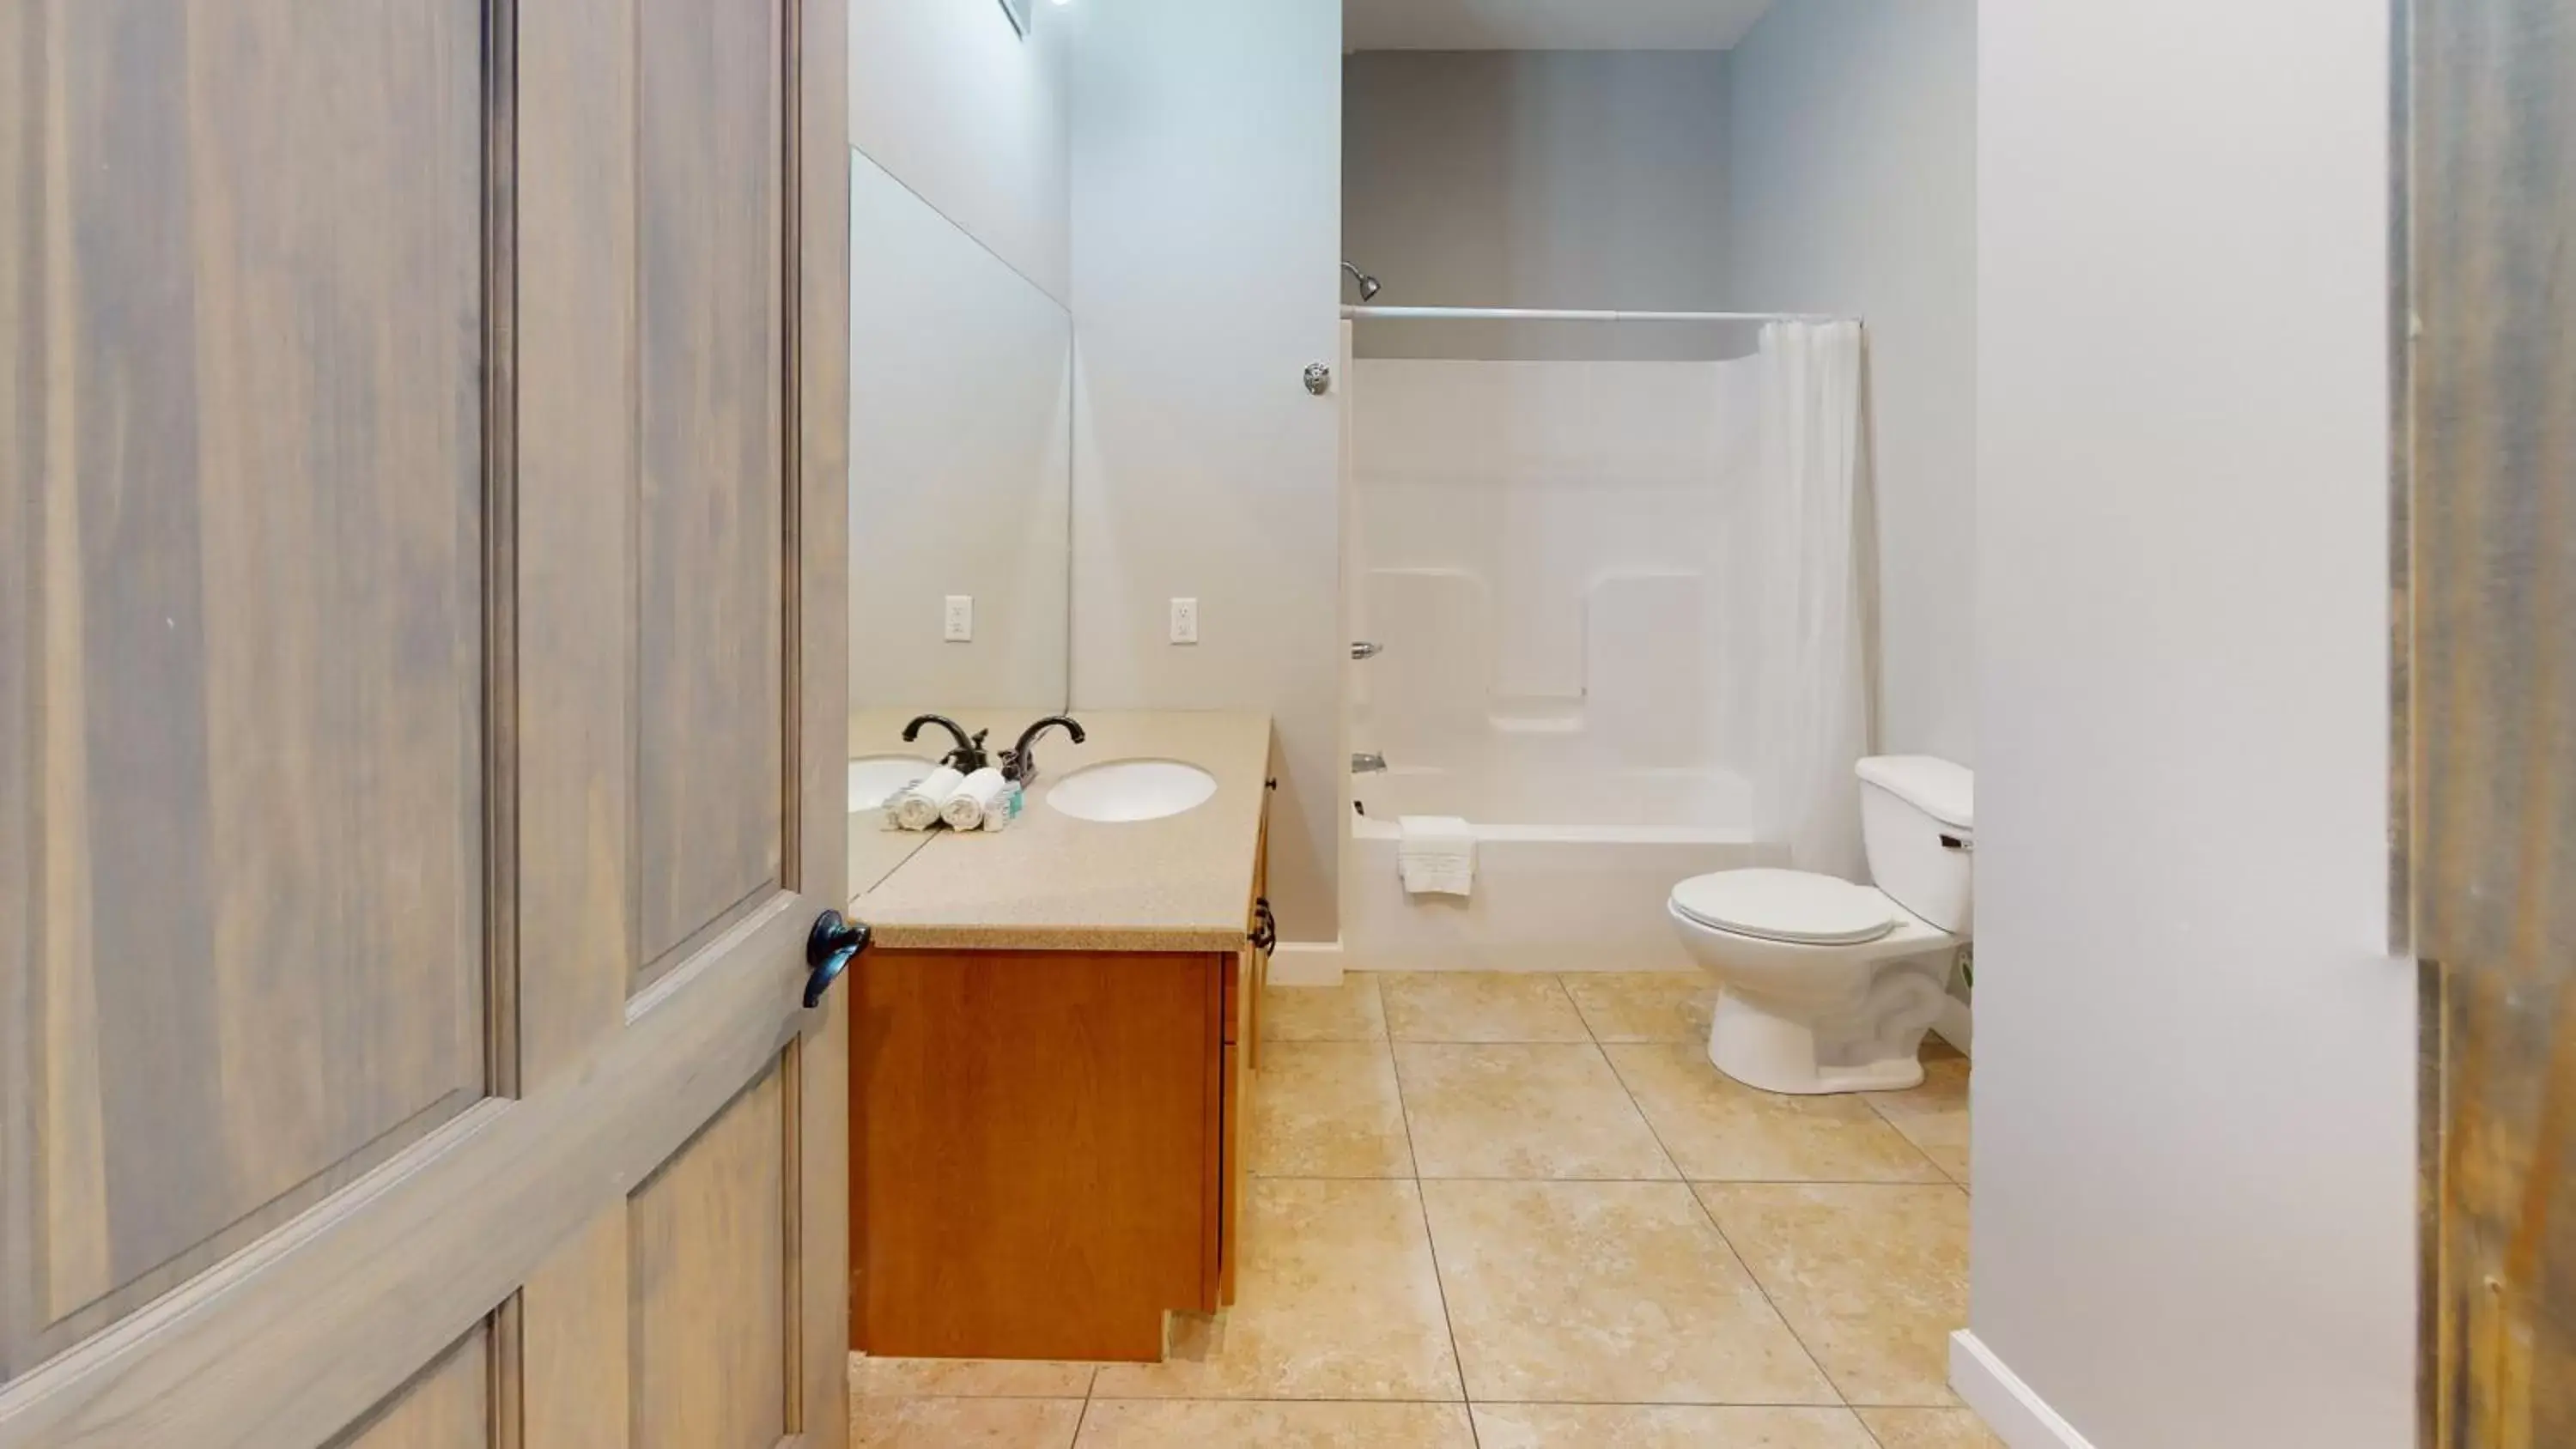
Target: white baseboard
[1306, 963]
[2018, 1416]
[1955, 1026]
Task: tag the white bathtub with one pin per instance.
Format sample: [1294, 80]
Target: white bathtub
[1573, 878]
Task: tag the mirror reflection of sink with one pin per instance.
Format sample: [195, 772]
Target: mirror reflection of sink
[1119, 791]
[875, 778]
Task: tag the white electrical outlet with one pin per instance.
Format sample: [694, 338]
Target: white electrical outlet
[961, 619]
[1185, 621]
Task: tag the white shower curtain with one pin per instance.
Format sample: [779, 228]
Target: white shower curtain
[1810, 711]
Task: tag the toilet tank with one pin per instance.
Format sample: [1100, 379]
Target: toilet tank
[1918, 826]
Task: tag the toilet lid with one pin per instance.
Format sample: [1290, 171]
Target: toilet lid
[1797, 906]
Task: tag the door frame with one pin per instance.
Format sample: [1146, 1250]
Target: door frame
[2483, 788]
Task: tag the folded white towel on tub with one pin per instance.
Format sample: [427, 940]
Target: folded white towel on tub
[1437, 854]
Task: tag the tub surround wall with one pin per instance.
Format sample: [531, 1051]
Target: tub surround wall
[1543, 548]
[1825, 164]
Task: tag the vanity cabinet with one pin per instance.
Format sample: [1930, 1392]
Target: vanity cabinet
[1047, 1141]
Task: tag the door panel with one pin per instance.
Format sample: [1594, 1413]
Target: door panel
[421, 549]
[253, 578]
[448, 1407]
[709, 248]
[709, 1307]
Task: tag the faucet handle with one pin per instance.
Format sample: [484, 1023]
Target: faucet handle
[1020, 763]
[969, 755]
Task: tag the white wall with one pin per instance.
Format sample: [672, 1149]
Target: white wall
[961, 394]
[1853, 135]
[1206, 233]
[2195, 1146]
[954, 104]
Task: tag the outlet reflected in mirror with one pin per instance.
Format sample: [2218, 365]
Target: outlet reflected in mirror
[960, 465]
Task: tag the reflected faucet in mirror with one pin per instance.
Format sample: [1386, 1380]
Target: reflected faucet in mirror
[1018, 765]
[969, 755]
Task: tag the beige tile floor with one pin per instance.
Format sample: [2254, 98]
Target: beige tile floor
[1500, 1211]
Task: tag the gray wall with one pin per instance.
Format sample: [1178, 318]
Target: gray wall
[1854, 189]
[1593, 179]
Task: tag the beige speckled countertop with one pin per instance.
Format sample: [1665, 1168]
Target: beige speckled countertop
[1052, 882]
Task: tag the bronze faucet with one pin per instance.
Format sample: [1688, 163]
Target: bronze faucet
[1018, 765]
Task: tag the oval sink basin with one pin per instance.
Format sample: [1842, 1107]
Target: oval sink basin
[1126, 790]
[875, 778]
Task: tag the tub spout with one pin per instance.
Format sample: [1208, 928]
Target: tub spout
[1368, 764]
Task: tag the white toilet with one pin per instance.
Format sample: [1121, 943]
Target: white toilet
[1828, 986]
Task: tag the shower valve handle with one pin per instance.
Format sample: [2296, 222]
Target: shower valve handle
[1363, 649]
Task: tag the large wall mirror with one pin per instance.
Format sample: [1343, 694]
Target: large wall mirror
[960, 466]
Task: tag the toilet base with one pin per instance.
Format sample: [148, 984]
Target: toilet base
[1874, 1048]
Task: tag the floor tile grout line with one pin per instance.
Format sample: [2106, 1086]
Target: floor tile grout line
[1871, 1098]
[1083, 1419]
[1764, 1289]
[1940, 1177]
[1683, 1178]
[1500, 1041]
[1457, 1360]
[1636, 1106]
[1404, 1116]
[1741, 1265]
[1431, 1245]
[1917, 1407]
[1532, 1403]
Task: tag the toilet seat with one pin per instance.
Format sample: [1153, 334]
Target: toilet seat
[1794, 906]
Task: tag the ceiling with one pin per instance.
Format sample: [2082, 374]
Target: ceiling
[1547, 24]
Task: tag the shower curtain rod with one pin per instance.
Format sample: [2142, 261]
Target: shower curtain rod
[1533, 314]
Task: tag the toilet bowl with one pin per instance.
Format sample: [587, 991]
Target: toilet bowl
[1826, 985]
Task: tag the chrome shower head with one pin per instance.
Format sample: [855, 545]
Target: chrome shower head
[1368, 284]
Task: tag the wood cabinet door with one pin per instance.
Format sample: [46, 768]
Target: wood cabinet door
[421, 707]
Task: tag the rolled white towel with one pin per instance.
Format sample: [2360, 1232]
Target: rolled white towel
[1437, 854]
[916, 806]
[975, 797]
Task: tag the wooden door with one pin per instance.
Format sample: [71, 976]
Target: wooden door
[421, 570]
[2487, 366]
